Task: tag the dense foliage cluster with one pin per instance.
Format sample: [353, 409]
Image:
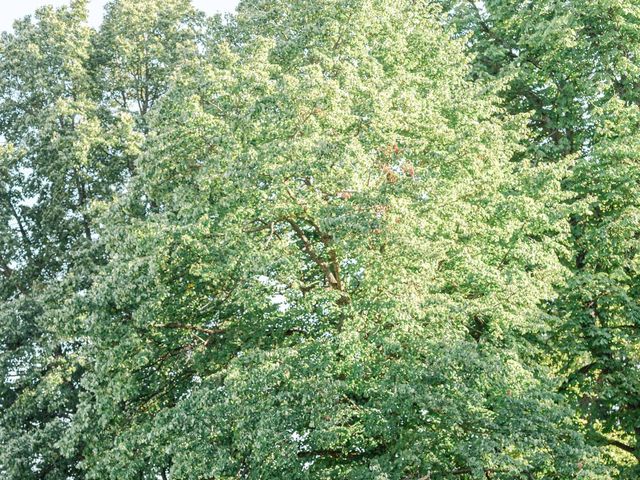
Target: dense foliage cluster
[337, 239]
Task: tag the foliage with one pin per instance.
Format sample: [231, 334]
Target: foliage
[320, 240]
[574, 65]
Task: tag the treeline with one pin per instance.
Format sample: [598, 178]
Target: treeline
[337, 239]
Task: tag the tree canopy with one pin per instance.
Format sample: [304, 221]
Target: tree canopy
[359, 239]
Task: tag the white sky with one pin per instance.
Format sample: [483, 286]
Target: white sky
[11, 10]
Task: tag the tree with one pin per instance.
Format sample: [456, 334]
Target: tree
[342, 271]
[54, 162]
[64, 147]
[138, 47]
[574, 65]
[352, 239]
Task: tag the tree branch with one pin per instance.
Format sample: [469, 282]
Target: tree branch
[572, 376]
[603, 439]
[194, 328]
[308, 248]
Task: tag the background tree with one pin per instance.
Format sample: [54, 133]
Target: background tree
[574, 65]
[138, 47]
[65, 145]
[55, 160]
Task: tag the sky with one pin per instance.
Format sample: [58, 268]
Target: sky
[11, 10]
